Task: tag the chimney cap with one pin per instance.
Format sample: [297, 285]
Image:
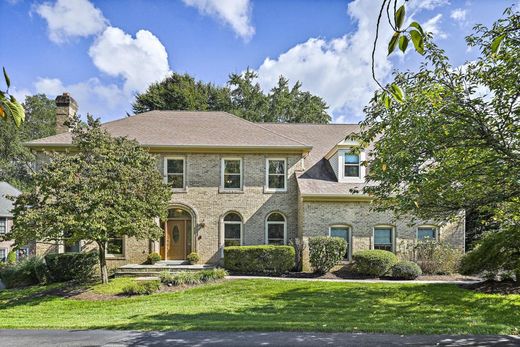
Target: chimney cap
[66, 100]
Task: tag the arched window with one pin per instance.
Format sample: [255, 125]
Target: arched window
[232, 229]
[276, 229]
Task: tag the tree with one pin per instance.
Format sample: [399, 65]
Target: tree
[106, 188]
[453, 143]
[10, 108]
[15, 158]
[242, 96]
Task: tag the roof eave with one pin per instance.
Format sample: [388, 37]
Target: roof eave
[335, 197]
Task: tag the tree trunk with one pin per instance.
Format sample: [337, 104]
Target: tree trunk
[103, 262]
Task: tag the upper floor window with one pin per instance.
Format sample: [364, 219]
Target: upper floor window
[276, 229]
[174, 172]
[231, 173]
[426, 232]
[351, 165]
[3, 226]
[232, 229]
[276, 174]
[384, 238]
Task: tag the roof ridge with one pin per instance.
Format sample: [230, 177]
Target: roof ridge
[324, 124]
[268, 130]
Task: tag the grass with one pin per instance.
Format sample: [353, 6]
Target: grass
[269, 305]
[113, 287]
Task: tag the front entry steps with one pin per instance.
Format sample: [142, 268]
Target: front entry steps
[137, 270]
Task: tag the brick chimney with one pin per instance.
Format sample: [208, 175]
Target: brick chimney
[66, 107]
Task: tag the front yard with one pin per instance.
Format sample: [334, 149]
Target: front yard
[272, 305]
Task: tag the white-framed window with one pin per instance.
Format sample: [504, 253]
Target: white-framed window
[344, 232]
[275, 229]
[3, 225]
[22, 252]
[276, 174]
[231, 174]
[3, 255]
[350, 165]
[384, 237]
[116, 247]
[175, 172]
[425, 232]
[233, 229]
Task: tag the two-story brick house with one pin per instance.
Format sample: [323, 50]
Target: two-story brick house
[235, 182]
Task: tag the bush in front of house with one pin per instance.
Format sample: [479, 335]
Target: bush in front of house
[405, 270]
[374, 262]
[65, 267]
[153, 258]
[437, 257]
[28, 271]
[193, 258]
[141, 287]
[265, 259]
[11, 258]
[326, 252]
[192, 277]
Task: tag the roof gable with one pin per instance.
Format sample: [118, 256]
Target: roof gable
[6, 205]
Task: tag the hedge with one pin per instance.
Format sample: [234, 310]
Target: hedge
[374, 262]
[266, 259]
[71, 266]
[29, 271]
[405, 270]
[326, 252]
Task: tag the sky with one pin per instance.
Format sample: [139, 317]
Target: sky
[104, 52]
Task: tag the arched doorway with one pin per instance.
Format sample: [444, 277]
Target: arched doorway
[178, 234]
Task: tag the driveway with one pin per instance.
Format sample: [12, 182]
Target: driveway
[43, 338]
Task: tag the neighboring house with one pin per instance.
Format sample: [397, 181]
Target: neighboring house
[6, 220]
[235, 182]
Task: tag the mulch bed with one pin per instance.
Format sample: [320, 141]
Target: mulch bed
[494, 287]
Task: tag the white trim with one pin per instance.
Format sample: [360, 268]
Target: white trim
[349, 237]
[222, 168]
[165, 171]
[6, 226]
[267, 223]
[273, 190]
[433, 226]
[341, 167]
[392, 236]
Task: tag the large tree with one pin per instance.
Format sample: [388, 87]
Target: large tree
[15, 159]
[242, 96]
[453, 142]
[105, 188]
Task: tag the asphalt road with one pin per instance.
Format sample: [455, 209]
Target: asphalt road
[43, 338]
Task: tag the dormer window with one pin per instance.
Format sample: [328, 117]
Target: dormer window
[351, 166]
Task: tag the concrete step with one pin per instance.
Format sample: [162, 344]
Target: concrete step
[155, 270]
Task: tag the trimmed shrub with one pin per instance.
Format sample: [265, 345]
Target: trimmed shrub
[266, 259]
[437, 257]
[374, 262]
[153, 258]
[190, 278]
[326, 252]
[29, 271]
[405, 270]
[193, 258]
[141, 288]
[71, 266]
[11, 257]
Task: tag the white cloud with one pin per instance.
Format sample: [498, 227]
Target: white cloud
[458, 15]
[433, 26]
[71, 18]
[139, 61]
[92, 96]
[236, 13]
[339, 69]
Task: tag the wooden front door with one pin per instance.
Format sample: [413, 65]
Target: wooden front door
[175, 241]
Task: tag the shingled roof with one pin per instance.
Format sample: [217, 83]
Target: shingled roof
[6, 205]
[188, 129]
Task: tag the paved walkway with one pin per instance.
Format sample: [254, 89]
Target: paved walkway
[75, 338]
[350, 280]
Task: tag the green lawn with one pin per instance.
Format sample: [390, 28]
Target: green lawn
[276, 305]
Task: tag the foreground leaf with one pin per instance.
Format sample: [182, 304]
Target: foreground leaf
[399, 17]
[418, 41]
[393, 43]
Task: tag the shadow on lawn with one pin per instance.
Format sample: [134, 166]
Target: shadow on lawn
[32, 296]
[430, 309]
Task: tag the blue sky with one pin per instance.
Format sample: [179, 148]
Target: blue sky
[103, 52]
